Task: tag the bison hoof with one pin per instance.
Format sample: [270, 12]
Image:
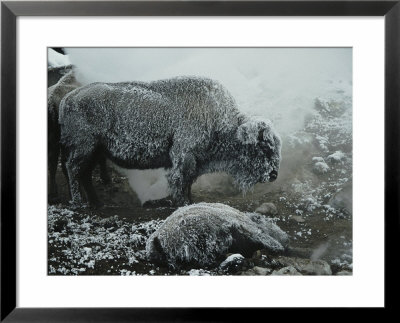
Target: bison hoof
[158, 203]
[96, 205]
[53, 199]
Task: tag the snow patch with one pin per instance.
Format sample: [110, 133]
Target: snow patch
[55, 59]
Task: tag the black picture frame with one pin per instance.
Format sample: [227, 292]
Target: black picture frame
[10, 10]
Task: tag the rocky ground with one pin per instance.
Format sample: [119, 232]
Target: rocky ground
[311, 201]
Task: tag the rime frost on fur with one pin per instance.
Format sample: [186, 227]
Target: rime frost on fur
[200, 234]
[189, 125]
[55, 94]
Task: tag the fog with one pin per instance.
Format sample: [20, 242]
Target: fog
[280, 84]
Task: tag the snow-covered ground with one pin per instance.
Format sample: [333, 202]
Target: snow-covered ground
[79, 243]
[55, 59]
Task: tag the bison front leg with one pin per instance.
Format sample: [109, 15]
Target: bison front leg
[73, 178]
[105, 177]
[181, 178]
[53, 154]
[75, 165]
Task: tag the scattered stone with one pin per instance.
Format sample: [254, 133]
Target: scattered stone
[261, 271]
[249, 272]
[263, 258]
[256, 271]
[198, 272]
[267, 209]
[344, 273]
[336, 157]
[233, 263]
[200, 234]
[340, 264]
[307, 266]
[297, 218]
[289, 270]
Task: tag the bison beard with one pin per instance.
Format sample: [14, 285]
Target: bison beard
[188, 125]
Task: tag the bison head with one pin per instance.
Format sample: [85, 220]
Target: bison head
[258, 153]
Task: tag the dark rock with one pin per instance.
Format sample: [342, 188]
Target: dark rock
[289, 270]
[344, 273]
[233, 263]
[297, 218]
[261, 271]
[306, 266]
[257, 271]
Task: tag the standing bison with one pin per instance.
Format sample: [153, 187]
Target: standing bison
[55, 94]
[189, 125]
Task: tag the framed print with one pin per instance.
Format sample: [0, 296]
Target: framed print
[195, 152]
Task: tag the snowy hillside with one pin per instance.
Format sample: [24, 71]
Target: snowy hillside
[55, 59]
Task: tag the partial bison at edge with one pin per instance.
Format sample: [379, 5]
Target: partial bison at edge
[55, 94]
[188, 125]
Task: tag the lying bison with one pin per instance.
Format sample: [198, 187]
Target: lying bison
[189, 125]
[201, 234]
[55, 94]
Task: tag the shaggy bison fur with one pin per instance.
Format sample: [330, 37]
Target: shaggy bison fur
[55, 94]
[202, 234]
[188, 125]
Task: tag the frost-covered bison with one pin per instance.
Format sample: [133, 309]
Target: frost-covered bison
[189, 125]
[55, 94]
[201, 234]
[54, 74]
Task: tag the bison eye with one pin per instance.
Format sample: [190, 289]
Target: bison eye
[261, 135]
[266, 149]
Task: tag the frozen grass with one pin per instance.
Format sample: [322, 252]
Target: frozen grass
[83, 244]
